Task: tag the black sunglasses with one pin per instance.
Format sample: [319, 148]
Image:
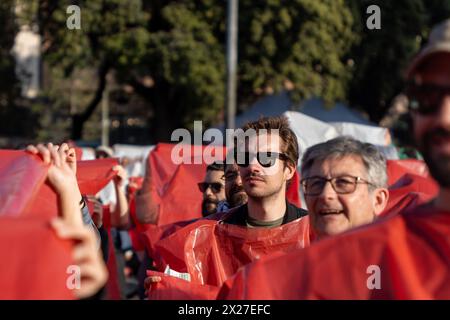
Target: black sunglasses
[216, 187]
[266, 159]
[425, 99]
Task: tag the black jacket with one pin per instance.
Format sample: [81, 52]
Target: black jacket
[239, 216]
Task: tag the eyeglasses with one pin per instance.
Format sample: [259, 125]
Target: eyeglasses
[266, 159]
[216, 187]
[426, 99]
[313, 186]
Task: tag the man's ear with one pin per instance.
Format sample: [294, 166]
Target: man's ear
[289, 170]
[380, 200]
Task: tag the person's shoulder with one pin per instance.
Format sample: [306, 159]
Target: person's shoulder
[295, 212]
[235, 216]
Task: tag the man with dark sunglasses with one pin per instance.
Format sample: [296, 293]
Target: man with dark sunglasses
[428, 93]
[344, 184]
[405, 256]
[266, 161]
[213, 188]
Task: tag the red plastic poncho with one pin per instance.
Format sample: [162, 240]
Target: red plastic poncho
[409, 252]
[211, 251]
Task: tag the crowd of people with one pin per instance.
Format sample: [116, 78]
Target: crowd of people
[250, 227]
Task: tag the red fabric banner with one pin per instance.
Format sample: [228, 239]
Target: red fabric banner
[92, 176]
[34, 261]
[402, 257]
[397, 168]
[21, 175]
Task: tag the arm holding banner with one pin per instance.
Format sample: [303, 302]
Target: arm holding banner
[62, 178]
[120, 215]
[146, 208]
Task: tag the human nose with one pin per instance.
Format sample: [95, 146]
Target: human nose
[442, 118]
[327, 190]
[208, 191]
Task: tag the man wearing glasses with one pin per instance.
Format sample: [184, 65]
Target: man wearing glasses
[344, 184]
[267, 161]
[405, 256]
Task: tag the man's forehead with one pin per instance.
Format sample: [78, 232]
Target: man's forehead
[231, 167]
[349, 164]
[264, 141]
[214, 175]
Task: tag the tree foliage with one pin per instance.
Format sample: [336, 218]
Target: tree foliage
[172, 53]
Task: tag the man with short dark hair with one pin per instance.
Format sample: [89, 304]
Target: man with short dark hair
[267, 160]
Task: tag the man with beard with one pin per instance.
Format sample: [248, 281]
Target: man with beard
[213, 188]
[234, 189]
[266, 162]
[402, 257]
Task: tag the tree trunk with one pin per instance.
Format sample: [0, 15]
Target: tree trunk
[79, 119]
[165, 119]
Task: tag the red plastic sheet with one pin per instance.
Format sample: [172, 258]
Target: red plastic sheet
[410, 253]
[171, 288]
[397, 168]
[410, 191]
[34, 262]
[137, 228]
[175, 184]
[20, 176]
[92, 176]
[211, 251]
[293, 190]
[112, 285]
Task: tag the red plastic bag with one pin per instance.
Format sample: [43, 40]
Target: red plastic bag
[402, 257]
[21, 175]
[211, 251]
[410, 191]
[171, 288]
[34, 262]
[92, 176]
[397, 168]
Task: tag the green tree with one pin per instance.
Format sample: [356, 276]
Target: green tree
[112, 36]
[381, 56]
[172, 52]
[299, 44]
